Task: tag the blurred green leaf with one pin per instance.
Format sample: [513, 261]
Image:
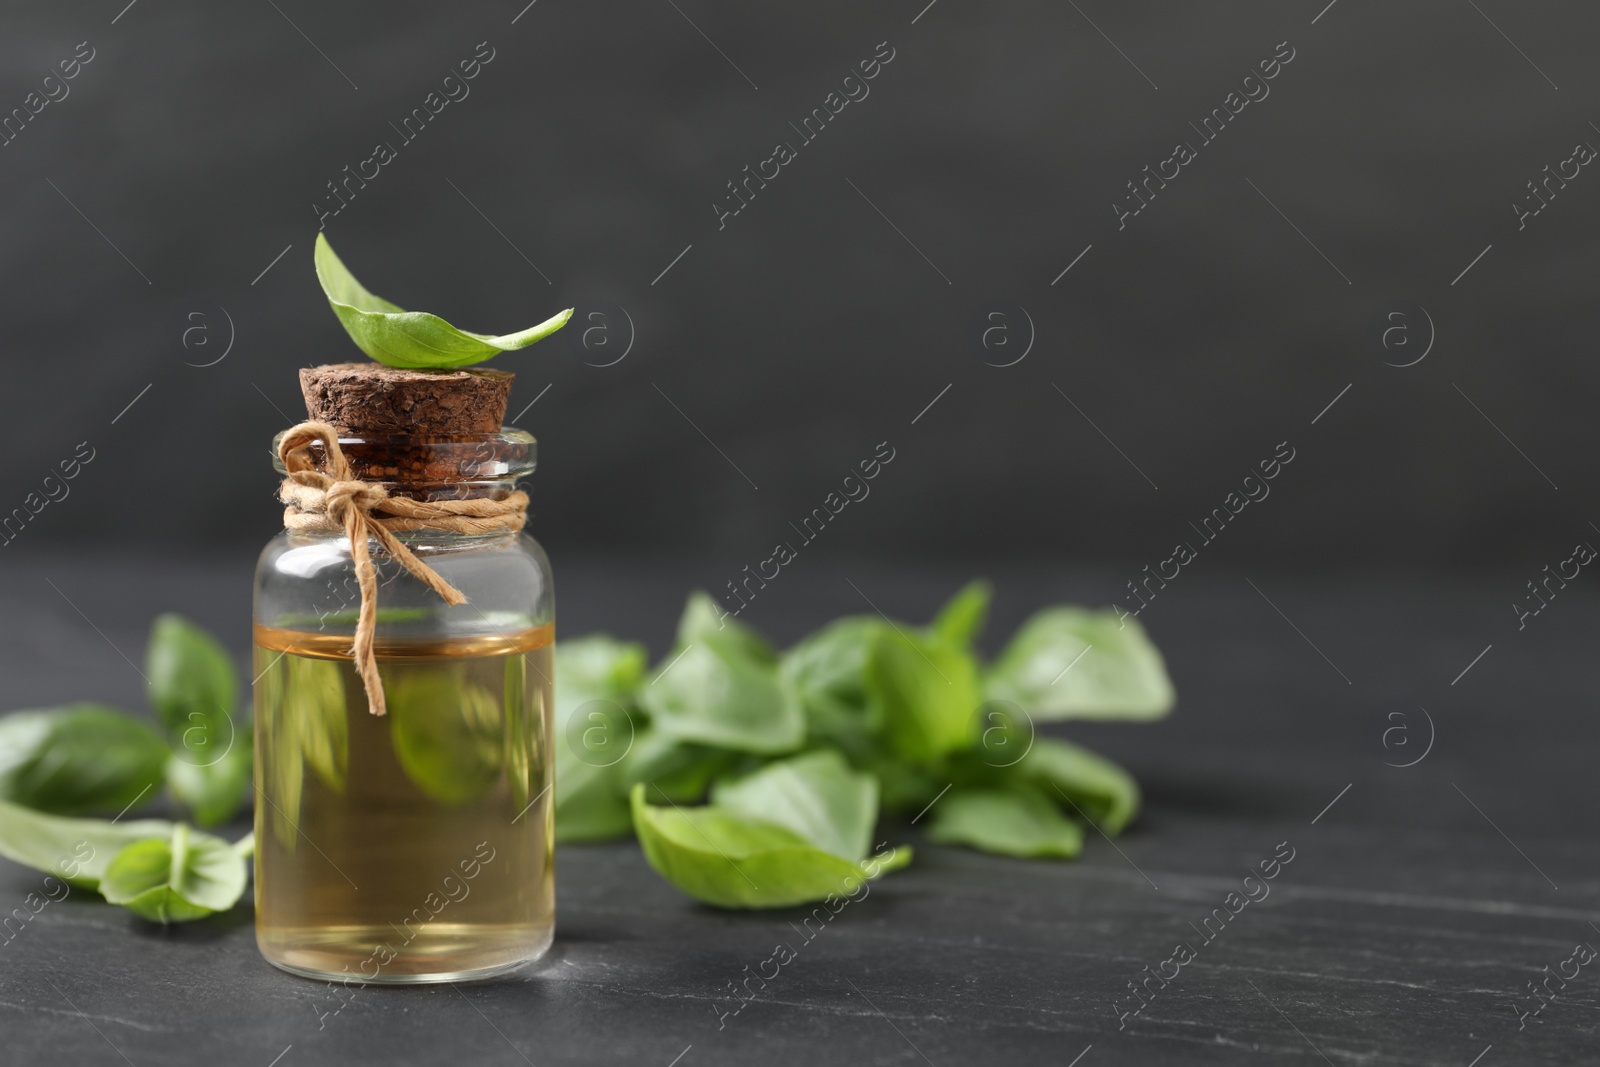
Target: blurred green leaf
[79, 759]
[905, 787]
[76, 850]
[815, 794]
[828, 671]
[591, 804]
[1073, 663]
[193, 687]
[682, 770]
[595, 666]
[321, 721]
[413, 339]
[703, 620]
[928, 689]
[722, 688]
[194, 690]
[961, 620]
[184, 876]
[731, 861]
[213, 792]
[595, 678]
[1008, 822]
[524, 725]
[282, 765]
[1103, 792]
[447, 732]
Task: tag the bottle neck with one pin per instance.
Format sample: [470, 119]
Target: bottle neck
[438, 469]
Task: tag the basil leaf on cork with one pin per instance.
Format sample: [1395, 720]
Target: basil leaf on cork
[413, 340]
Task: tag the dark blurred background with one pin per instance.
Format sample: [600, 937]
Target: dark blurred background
[143, 209]
[1341, 274]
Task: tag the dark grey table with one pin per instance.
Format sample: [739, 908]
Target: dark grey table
[1420, 903]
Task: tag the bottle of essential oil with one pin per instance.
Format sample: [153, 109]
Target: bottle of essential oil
[414, 845]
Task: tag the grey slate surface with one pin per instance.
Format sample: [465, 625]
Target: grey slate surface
[1400, 933]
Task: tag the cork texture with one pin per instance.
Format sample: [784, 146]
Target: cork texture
[370, 398]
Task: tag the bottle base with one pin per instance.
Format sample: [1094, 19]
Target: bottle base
[366, 955]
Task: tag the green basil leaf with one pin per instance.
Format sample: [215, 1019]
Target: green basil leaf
[597, 666]
[928, 689]
[881, 863]
[905, 787]
[321, 717]
[524, 721]
[1005, 821]
[193, 686]
[961, 620]
[815, 794]
[1103, 792]
[725, 859]
[716, 692]
[282, 768]
[828, 671]
[194, 689]
[411, 339]
[591, 804]
[448, 733]
[213, 792]
[682, 770]
[595, 678]
[702, 619]
[78, 759]
[184, 876]
[76, 850]
[1073, 663]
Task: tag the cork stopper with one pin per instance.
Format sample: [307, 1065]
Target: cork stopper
[373, 399]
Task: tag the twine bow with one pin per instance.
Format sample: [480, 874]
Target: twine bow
[335, 499]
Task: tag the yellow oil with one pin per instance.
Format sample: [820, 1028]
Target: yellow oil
[412, 847]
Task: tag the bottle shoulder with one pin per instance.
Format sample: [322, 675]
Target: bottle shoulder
[299, 554]
[301, 576]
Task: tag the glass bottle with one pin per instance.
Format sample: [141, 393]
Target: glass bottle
[416, 846]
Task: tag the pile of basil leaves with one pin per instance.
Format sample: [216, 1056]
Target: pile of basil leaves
[63, 762]
[751, 778]
[755, 779]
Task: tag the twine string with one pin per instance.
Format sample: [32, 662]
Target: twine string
[333, 499]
